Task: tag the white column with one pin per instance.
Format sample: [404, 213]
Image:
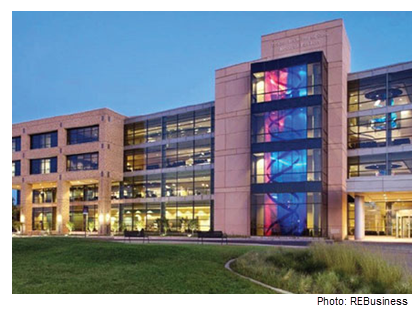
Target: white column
[359, 217]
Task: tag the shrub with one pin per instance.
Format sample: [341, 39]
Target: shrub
[325, 269]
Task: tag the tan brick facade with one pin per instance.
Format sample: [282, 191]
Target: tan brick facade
[109, 147]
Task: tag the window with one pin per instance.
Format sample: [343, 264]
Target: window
[380, 130]
[400, 88]
[135, 133]
[44, 219]
[185, 183]
[82, 135]
[289, 124]
[154, 130]
[185, 126]
[400, 163]
[367, 93]
[367, 132]
[373, 92]
[170, 155]
[170, 184]
[171, 127]
[367, 166]
[154, 186]
[16, 144]
[203, 152]
[44, 195]
[43, 166]
[287, 166]
[154, 157]
[203, 121]
[203, 185]
[401, 128]
[86, 161]
[79, 214]
[88, 192]
[15, 168]
[134, 160]
[45, 140]
[289, 82]
[297, 214]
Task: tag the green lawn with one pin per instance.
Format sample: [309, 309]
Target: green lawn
[75, 265]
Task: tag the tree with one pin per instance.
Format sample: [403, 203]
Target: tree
[16, 224]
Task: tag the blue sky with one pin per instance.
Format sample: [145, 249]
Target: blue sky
[137, 63]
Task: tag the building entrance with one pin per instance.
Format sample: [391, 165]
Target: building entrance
[403, 224]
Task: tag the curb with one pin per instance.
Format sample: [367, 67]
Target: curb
[277, 290]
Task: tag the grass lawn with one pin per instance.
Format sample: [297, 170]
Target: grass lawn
[74, 265]
[325, 269]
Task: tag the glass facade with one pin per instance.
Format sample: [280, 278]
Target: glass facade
[15, 168]
[187, 124]
[43, 166]
[85, 161]
[82, 135]
[289, 149]
[171, 155]
[288, 82]
[379, 91]
[287, 166]
[16, 144]
[181, 217]
[172, 184]
[185, 170]
[380, 165]
[295, 214]
[389, 218]
[391, 129]
[287, 124]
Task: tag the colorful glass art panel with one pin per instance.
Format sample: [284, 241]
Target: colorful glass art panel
[285, 214]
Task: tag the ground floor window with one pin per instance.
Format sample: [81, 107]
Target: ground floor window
[294, 214]
[44, 219]
[84, 218]
[179, 217]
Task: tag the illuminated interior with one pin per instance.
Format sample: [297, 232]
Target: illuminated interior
[289, 82]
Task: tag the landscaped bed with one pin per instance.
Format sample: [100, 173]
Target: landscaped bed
[324, 268]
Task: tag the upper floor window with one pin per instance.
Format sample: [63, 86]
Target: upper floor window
[390, 89]
[287, 166]
[15, 168]
[400, 88]
[289, 82]
[85, 161]
[16, 144]
[380, 165]
[391, 129]
[287, 124]
[82, 135]
[43, 166]
[44, 140]
[186, 124]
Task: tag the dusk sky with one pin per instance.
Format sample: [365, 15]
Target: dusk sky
[137, 63]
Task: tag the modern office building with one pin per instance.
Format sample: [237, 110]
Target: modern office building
[294, 144]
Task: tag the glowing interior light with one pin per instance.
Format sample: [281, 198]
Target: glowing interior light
[377, 103]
